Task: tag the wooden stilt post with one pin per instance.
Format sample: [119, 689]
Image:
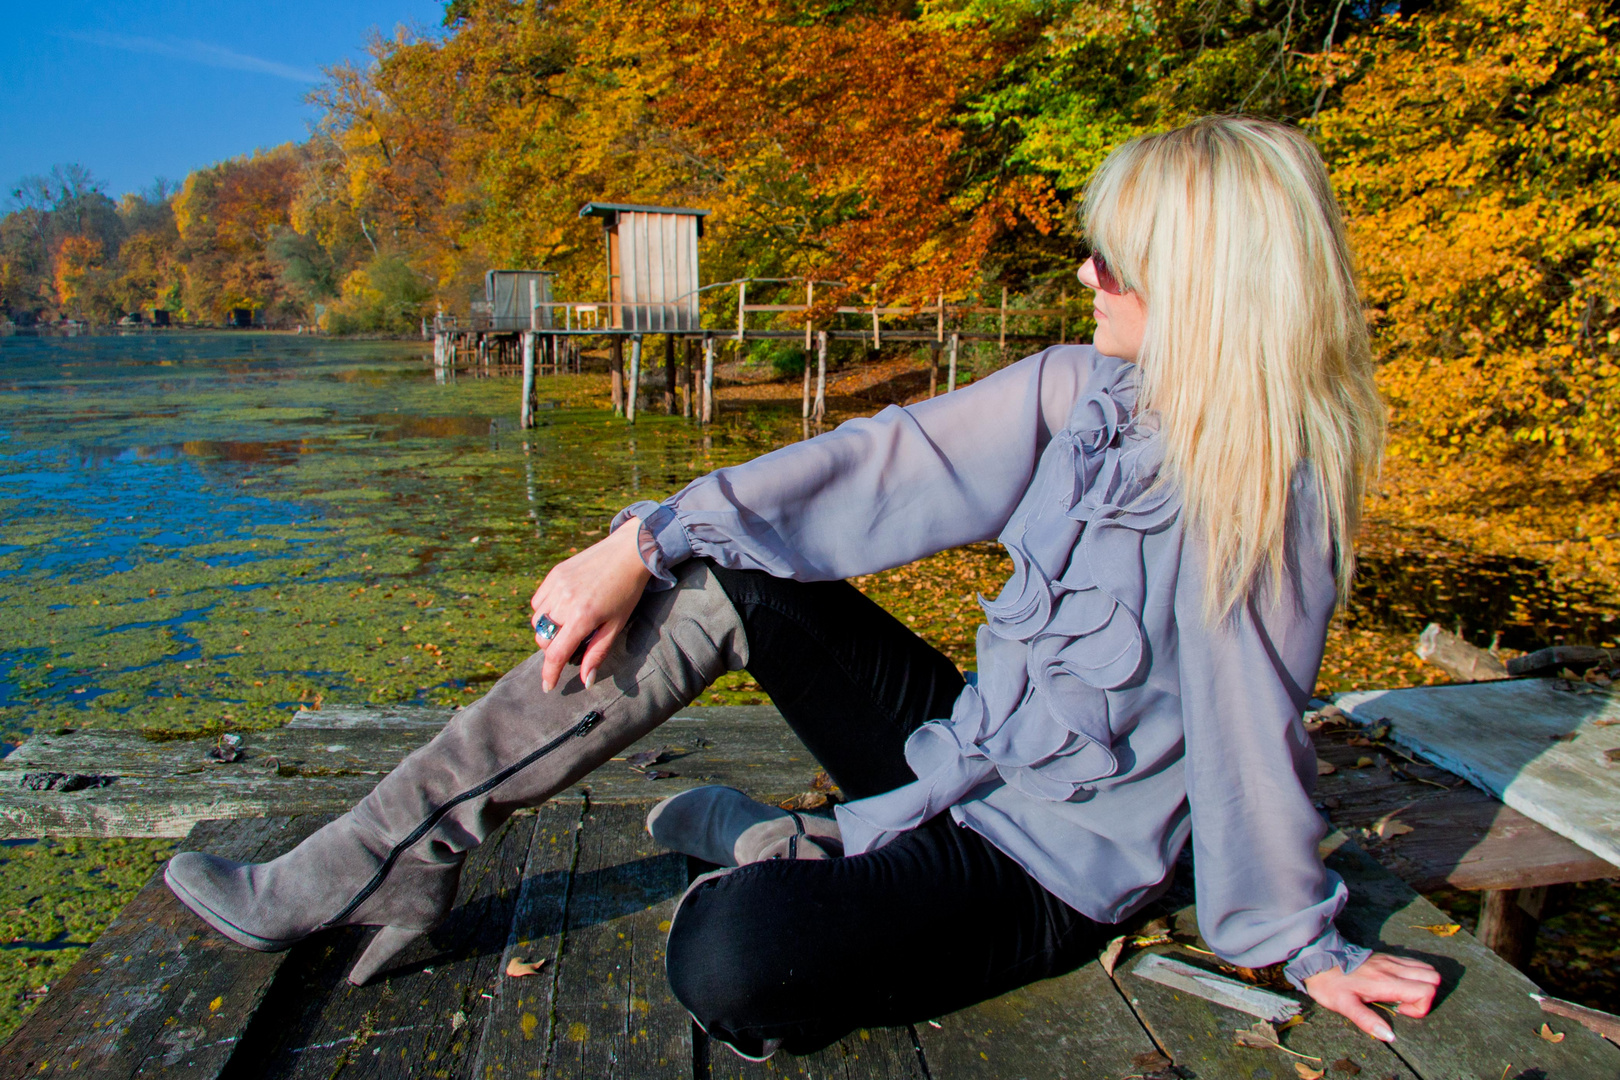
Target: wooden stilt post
[950, 379]
[708, 378]
[616, 373]
[877, 328]
[819, 412]
[633, 390]
[939, 331]
[809, 302]
[688, 378]
[525, 413]
[742, 302]
[1004, 317]
[933, 370]
[805, 412]
[1063, 324]
[669, 374]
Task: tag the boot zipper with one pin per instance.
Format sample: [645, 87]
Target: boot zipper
[578, 731]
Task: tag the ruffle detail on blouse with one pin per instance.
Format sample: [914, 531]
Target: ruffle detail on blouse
[1072, 611]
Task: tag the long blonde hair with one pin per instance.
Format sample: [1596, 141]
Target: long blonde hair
[1255, 355]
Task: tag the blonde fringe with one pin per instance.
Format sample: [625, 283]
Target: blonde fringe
[1256, 355]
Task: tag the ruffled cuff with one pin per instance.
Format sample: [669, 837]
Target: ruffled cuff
[1328, 951]
[663, 542]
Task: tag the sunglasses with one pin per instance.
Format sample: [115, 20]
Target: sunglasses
[1107, 280]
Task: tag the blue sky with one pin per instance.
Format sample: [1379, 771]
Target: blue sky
[146, 88]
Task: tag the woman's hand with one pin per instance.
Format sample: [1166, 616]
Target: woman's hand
[590, 597]
[1410, 984]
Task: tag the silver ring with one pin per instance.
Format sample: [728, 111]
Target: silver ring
[545, 629]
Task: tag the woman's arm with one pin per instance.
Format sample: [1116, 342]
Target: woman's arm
[881, 491]
[1264, 895]
[871, 494]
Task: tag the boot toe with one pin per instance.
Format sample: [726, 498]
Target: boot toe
[213, 889]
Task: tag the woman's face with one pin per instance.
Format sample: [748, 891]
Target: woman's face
[1121, 317]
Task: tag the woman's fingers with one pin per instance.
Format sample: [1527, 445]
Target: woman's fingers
[570, 636]
[1367, 1020]
[597, 649]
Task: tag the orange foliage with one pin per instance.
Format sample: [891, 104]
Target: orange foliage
[870, 113]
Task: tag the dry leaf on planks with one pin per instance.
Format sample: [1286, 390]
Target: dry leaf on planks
[517, 968]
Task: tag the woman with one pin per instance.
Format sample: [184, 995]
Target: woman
[1179, 502]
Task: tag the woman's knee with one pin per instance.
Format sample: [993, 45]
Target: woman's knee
[727, 960]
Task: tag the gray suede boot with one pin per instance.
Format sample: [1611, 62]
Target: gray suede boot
[394, 860]
[723, 826]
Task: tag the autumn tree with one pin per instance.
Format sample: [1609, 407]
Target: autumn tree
[1479, 159]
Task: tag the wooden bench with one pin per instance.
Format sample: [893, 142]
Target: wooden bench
[577, 884]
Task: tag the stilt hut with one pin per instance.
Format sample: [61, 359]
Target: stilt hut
[652, 265]
[510, 296]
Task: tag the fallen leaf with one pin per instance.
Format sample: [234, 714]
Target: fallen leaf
[458, 1021]
[1568, 736]
[805, 800]
[1325, 768]
[658, 774]
[1261, 1036]
[1345, 1065]
[1388, 827]
[1440, 929]
[1612, 755]
[227, 749]
[1142, 941]
[1550, 1035]
[517, 969]
[1150, 1061]
[646, 758]
[1364, 762]
[1607, 722]
[1110, 955]
[1306, 1072]
[822, 782]
[1380, 732]
[1292, 1021]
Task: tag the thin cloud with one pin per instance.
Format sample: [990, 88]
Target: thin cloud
[198, 52]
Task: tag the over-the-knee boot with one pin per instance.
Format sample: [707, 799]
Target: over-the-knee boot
[395, 859]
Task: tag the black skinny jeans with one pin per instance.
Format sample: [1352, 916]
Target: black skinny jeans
[806, 951]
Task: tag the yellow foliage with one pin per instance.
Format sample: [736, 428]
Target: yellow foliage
[1479, 161]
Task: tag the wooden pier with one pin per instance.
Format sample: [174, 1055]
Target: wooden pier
[577, 890]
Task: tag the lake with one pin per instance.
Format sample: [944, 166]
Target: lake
[211, 530]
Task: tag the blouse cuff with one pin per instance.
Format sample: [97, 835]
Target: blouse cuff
[663, 542]
[1328, 951]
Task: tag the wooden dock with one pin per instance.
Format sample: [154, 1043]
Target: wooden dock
[578, 885]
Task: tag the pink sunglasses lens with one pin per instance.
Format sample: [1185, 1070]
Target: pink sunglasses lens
[1105, 274]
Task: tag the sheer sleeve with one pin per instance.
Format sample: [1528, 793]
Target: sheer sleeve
[1264, 895]
[876, 492]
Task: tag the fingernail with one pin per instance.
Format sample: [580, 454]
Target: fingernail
[590, 677]
[1383, 1032]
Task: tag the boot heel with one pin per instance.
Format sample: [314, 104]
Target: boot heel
[389, 943]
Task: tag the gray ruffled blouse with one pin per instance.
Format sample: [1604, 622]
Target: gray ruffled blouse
[1108, 722]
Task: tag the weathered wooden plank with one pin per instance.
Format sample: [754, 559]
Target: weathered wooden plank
[1542, 750]
[1462, 838]
[867, 1054]
[614, 1013]
[1073, 1026]
[423, 1016]
[158, 992]
[163, 788]
[518, 1027]
[352, 717]
[1484, 1021]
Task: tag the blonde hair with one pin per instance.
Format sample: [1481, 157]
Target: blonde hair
[1255, 354]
